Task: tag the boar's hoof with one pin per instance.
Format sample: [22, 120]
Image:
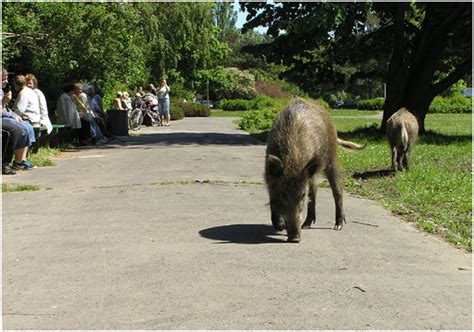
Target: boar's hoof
[294, 240]
[338, 227]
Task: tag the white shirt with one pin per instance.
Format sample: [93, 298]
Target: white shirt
[66, 111]
[45, 121]
[27, 105]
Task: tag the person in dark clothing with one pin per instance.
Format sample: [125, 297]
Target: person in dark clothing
[13, 139]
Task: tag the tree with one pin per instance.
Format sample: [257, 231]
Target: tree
[426, 47]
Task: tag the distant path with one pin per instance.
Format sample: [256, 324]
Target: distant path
[171, 230]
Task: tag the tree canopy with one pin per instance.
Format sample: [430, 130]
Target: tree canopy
[419, 49]
[115, 45]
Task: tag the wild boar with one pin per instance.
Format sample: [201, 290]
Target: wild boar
[402, 131]
[302, 144]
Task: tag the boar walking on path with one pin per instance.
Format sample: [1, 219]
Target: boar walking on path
[302, 144]
[402, 131]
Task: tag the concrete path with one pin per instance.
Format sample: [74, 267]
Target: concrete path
[171, 230]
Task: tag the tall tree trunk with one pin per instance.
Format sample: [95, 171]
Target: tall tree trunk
[411, 72]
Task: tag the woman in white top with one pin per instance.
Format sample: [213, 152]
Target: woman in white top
[27, 102]
[32, 82]
[164, 101]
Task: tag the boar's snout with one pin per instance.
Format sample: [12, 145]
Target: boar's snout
[277, 222]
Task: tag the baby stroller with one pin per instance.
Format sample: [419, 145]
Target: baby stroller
[146, 107]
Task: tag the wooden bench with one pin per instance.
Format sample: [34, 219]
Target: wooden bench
[59, 137]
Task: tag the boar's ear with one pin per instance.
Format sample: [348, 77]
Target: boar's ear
[312, 167]
[274, 166]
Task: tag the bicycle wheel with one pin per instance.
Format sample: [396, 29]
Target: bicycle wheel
[136, 119]
[155, 119]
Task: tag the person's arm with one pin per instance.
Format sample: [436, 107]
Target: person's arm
[20, 106]
[6, 98]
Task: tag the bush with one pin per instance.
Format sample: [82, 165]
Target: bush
[190, 109]
[176, 113]
[258, 120]
[371, 104]
[454, 104]
[271, 89]
[323, 103]
[246, 105]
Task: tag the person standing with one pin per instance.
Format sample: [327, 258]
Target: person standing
[164, 101]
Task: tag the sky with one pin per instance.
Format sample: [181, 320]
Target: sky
[241, 19]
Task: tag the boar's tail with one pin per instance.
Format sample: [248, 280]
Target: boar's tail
[404, 135]
[351, 145]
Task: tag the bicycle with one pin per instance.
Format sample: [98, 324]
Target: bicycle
[147, 106]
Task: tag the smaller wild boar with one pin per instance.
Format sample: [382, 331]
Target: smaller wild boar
[402, 131]
[302, 144]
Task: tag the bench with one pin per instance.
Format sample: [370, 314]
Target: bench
[59, 137]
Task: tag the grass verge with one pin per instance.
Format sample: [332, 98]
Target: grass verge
[8, 188]
[42, 157]
[436, 193]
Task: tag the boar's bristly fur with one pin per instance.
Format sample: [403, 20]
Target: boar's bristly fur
[302, 144]
[402, 131]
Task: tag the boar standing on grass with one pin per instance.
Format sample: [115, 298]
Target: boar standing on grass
[402, 131]
[301, 145]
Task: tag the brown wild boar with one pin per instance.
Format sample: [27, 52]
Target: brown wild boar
[302, 144]
[402, 131]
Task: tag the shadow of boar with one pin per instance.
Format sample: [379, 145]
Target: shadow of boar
[302, 145]
[402, 131]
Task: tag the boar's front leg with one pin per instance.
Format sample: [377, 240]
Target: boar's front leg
[332, 173]
[311, 215]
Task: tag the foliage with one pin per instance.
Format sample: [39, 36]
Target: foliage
[191, 109]
[230, 83]
[272, 89]
[176, 113]
[327, 46]
[455, 104]
[371, 104]
[245, 105]
[109, 44]
[260, 120]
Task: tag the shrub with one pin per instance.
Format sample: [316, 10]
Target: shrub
[271, 89]
[371, 104]
[176, 113]
[190, 109]
[454, 104]
[323, 104]
[237, 105]
[258, 120]
[246, 105]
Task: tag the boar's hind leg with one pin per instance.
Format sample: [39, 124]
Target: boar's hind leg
[394, 159]
[311, 215]
[332, 173]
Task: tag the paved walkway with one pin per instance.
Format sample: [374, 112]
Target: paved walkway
[171, 230]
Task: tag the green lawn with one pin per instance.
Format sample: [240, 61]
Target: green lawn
[436, 193]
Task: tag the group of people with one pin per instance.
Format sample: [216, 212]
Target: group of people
[80, 106]
[123, 102]
[28, 111]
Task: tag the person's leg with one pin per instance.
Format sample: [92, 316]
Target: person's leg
[10, 136]
[161, 110]
[167, 111]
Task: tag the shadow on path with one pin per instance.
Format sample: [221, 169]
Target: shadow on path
[244, 234]
[184, 138]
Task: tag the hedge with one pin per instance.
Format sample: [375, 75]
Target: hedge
[371, 104]
[454, 104]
